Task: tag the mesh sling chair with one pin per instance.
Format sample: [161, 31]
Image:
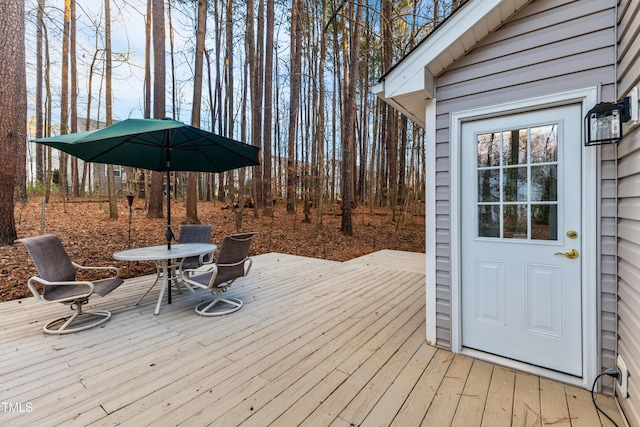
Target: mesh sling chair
[189, 233]
[231, 263]
[57, 277]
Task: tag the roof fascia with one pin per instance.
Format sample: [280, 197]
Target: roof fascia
[411, 74]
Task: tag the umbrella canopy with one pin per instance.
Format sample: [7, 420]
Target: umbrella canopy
[156, 144]
[159, 145]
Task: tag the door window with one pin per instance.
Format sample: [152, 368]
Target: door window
[518, 183]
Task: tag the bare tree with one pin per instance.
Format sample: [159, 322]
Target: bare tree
[348, 138]
[13, 110]
[320, 114]
[159, 108]
[268, 108]
[73, 63]
[147, 62]
[294, 100]
[201, 29]
[111, 184]
[254, 58]
[229, 98]
[48, 115]
[64, 97]
[391, 124]
[38, 107]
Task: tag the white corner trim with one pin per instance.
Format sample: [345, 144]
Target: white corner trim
[587, 97]
[430, 220]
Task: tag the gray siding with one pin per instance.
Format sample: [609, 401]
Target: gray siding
[628, 272]
[550, 46]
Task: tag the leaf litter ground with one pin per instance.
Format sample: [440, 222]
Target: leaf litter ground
[91, 238]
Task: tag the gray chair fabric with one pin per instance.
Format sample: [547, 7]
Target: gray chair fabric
[195, 233]
[58, 281]
[233, 261]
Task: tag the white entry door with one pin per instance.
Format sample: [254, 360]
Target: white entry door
[521, 237]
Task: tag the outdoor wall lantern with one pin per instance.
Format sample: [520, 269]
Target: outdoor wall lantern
[603, 122]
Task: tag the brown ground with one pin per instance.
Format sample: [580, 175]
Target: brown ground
[91, 238]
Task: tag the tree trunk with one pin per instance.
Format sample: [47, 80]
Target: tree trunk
[320, 114]
[75, 178]
[268, 110]
[49, 113]
[350, 113]
[13, 110]
[216, 112]
[296, 71]
[40, 175]
[147, 62]
[192, 184]
[156, 198]
[372, 160]
[391, 135]
[255, 57]
[111, 184]
[243, 138]
[64, 98]
[228, 118]
[174, 95]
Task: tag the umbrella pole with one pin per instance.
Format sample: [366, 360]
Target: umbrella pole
[168, 234]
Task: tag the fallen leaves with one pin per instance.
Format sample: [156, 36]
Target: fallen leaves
[91, 238]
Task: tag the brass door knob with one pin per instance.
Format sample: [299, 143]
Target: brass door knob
[569, 253]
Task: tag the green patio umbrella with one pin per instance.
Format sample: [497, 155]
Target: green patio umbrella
[159, 145]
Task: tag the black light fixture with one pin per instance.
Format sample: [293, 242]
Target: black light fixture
[603, 123]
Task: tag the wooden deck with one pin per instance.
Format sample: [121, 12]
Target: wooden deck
[317, 343]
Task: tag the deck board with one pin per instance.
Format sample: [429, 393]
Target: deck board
[498, 409]
[317, 343]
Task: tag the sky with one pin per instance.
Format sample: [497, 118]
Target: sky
[128, 40]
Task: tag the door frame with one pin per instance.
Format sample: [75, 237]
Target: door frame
[590, 172]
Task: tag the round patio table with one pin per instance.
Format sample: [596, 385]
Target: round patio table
[163, 257]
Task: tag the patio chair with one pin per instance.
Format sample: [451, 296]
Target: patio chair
[189, 233]
[231, 263]
[57, 277]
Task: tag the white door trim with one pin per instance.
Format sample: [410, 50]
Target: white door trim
[590, 171]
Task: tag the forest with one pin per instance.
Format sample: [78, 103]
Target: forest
[291, 78]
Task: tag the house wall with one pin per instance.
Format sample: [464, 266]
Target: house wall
[628, 168]
[550, 46]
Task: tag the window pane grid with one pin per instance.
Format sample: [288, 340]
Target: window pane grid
[517, 174]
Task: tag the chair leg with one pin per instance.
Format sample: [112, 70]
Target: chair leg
[158, 275]
[193, 291]
[174, 278]
[207, 308]
[100, 316]
[189, 288]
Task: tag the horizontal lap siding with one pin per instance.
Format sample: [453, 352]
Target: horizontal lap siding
[551, 46]
[629, 211]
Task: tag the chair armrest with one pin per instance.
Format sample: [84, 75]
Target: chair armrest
[202, 269]
[40, 298]
[186, 274]
[208, 260]
[247, 265]
[114, 270]
[248, 262]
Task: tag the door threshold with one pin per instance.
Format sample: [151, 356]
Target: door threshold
[525, 367]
